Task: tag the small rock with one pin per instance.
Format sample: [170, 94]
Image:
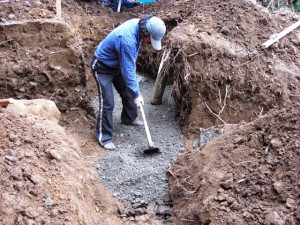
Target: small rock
[235, 206]
[164, 210]
[11, 158]
[16, 175]
[166, 198]
[276, 143]
[290, 203]
[29, 154]
[131, 213]
[267, 139]
[29, 221]
[132, 218]
[221, 197]
[160, 202]
[27, 4]
[22, 89]
[137, 205]
[152, 207]
[116, 194]
[121, 211]
[140, 211]
[137, 194]
[278, 186]
[196, 144]
[230, 200]
[54, 212]
[220, 190]
[13, 138]
[17, 187]
[53, 154]
[33, 84]
[27, 140]
[49, 201]
[227, 181]
[273, 218]
[11, 16]
[224, 30]
[238, 140]
[31, 213]
[246, 214]
[36, 179]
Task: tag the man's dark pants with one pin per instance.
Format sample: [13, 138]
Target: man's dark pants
[105, 78]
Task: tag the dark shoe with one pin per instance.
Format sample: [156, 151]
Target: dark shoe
[136, 122]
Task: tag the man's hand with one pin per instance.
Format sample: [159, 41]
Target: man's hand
[139, 101]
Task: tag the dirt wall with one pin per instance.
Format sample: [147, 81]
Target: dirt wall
[41, 59]
[222, 73]
[45, 179]
[248, 175]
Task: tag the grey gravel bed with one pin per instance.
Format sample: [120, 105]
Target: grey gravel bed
[131, 175]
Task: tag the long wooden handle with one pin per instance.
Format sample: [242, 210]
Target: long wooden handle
[281, 35]
[146, 126]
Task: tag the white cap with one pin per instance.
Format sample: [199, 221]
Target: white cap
[157, 29]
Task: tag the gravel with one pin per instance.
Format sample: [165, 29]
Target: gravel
[131, 175]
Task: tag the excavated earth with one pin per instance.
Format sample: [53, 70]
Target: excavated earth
[223, 82]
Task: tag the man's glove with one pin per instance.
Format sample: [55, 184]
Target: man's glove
[139, 101]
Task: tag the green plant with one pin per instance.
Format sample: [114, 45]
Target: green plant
[276, 4]
[296, 6]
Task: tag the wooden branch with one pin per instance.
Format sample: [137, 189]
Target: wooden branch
[273, 39]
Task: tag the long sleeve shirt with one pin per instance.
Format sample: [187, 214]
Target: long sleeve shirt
[120, 49]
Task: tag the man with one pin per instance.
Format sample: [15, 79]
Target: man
[114, 63]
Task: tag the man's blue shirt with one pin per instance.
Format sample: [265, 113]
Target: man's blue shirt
[120, 49]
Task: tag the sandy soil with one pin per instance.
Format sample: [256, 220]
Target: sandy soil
[220, 75]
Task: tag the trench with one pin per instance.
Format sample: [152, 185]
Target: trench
[129, 174]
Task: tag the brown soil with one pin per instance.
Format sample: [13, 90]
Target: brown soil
[249, 175]
[220, 73]
[45, 179]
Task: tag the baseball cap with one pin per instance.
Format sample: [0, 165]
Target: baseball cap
[157, 29]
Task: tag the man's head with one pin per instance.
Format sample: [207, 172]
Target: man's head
[155, 28]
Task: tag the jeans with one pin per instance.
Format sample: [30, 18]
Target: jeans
[106, 78]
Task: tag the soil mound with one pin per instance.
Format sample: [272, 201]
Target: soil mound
[45, 179]
[224, 75]
[248, 175]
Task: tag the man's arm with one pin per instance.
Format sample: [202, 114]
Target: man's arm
[128, 56]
